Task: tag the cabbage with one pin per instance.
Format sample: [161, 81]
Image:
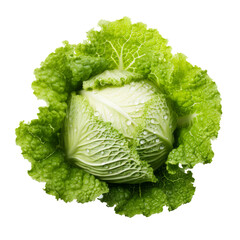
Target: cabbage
[125, 120]
[113, 132]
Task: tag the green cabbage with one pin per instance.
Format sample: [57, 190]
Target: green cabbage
[125, 119]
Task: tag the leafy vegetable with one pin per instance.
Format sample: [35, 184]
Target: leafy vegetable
[125, 119]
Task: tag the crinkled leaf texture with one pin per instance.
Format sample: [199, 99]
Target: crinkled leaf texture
[198, 105]
[134, 48]
[58, 76]
[172, 190]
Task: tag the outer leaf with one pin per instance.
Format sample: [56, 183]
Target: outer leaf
[61, 73]
[127, 46]
[172, 190]
[197, 102]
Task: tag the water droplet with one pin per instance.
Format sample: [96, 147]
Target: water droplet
[102, 152]
[154, 132]
[87, 150]
[110, 172]
[157, 140]
[96, 114]
[122, 143]
[106, 166]
[142, 101]
[170, 126]
[111, 115]
[142, 142]
[129, 123]
[165, 117]
[152, 121]
[161, 147]
[145, 132]
[137, 110]
[88, 138]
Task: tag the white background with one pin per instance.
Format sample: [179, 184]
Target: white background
[206, 31]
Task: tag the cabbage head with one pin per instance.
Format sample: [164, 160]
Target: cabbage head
[125, 121]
